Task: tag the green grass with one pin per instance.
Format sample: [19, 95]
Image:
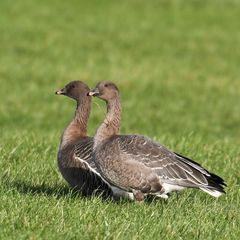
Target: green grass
[177, 66]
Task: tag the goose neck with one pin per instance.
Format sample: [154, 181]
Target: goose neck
[111, 123]
[82, 115]
[77, 128]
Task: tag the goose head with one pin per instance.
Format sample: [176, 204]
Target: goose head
[75, 90]
[105, 90]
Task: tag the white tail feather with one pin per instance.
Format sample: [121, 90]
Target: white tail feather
[214, 193]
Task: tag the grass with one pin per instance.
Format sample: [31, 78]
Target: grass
[177, 66]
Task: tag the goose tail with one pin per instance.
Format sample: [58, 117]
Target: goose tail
[212, 192]
[215, 184]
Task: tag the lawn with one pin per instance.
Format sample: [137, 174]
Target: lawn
[176, 63]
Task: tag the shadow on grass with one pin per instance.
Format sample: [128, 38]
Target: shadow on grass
[41, 189]
[57, 191]
[60, 191]
[25, 187]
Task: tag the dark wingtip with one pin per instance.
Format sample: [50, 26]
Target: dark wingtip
[214, 180]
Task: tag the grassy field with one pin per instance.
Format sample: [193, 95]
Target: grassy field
[177, 66]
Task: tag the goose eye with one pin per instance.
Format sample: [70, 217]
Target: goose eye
[106, 85]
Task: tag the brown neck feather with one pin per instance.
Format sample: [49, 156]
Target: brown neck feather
[78, 126]
[111, 123]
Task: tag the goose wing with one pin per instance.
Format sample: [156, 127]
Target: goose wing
[172, 168]
[86, 173]
[83, 150]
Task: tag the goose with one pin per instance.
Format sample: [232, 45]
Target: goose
[75, 151]
[139, 165]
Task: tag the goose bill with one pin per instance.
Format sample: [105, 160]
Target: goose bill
[60, 92]
[94, 92]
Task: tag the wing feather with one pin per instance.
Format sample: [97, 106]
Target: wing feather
[169, 166]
